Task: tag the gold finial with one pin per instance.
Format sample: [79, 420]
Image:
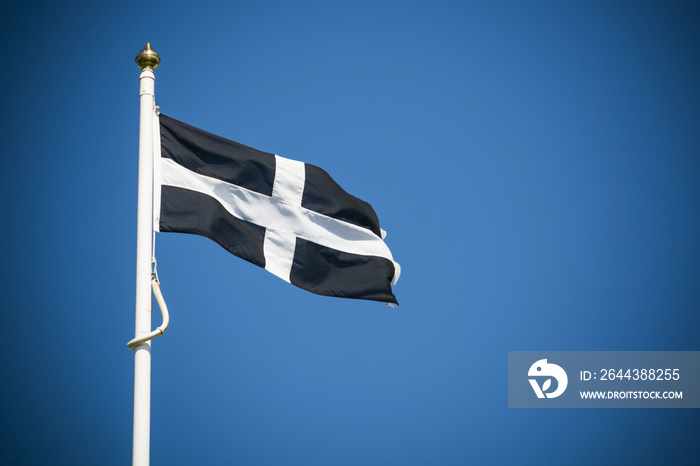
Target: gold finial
[148, 58]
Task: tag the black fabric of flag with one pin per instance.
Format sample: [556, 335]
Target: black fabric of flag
[286, 216]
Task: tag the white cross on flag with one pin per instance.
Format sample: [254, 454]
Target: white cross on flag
[286, 216]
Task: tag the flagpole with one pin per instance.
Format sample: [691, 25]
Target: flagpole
[147, 60]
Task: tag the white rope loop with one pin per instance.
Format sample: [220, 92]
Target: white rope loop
[133, 344]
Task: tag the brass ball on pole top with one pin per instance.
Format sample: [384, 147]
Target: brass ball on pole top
[148, 58]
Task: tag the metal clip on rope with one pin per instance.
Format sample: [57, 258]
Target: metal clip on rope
[166, 318]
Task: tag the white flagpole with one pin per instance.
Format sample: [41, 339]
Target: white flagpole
[147, 60]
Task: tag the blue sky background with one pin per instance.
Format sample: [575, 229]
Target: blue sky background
[535, 164]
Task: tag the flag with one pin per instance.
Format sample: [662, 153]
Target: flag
[286, 216]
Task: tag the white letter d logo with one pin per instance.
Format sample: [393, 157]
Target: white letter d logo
[542, 369]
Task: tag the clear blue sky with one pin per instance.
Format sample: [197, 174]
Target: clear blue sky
[535, 165]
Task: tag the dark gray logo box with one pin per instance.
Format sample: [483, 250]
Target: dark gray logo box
[611, 379]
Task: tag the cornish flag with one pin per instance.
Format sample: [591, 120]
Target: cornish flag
[286, 216]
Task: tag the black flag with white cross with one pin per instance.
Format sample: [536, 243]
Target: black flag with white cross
[286, 216]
